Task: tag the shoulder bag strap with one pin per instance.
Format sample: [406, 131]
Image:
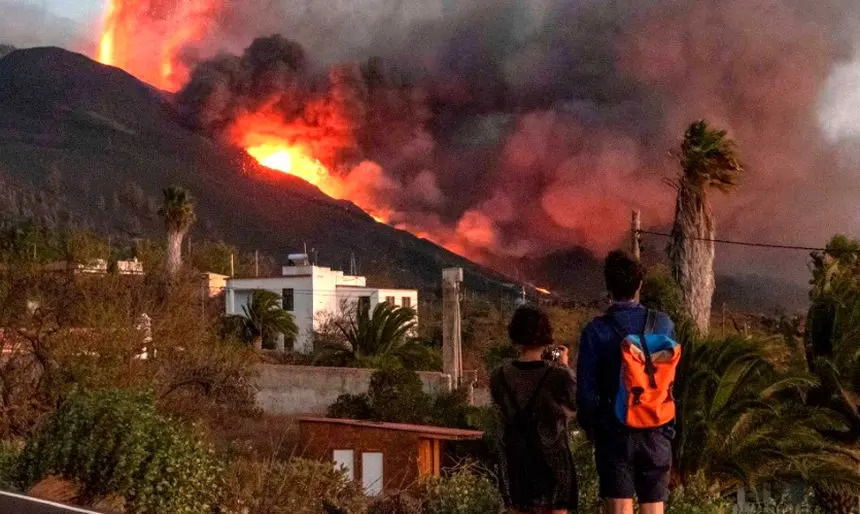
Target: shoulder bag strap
[647, 328]
[513, 397]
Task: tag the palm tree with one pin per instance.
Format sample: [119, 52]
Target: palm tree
[743, 422]
[376, 339]
[707, 160]
[262, 318]
[178, 214]
[832, 350]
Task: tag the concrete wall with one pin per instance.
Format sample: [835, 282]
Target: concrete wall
[311, 390]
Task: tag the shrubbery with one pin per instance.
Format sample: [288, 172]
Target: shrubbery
[396, 395]
[297, 486]
[465, 491]
[114, 442]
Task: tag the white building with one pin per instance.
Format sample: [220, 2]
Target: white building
[312, 293]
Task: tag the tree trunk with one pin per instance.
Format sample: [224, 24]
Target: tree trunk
[258, 342]
[691, 258]
[174, 252]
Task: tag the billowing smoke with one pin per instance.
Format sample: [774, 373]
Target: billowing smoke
[517, 127]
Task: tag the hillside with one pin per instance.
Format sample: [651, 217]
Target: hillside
[88, 144]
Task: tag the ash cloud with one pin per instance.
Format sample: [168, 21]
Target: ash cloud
[520, 127]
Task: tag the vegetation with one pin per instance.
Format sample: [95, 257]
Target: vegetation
[264, 319]
[294, 486]
[463, 491]
[396, 395]
[708, 160]
[384, 337]
[178, 213]
[114, 442]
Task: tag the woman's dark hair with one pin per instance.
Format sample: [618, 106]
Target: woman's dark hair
[623, 274]
[530, 327]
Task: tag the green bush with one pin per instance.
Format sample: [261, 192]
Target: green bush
[499, 354]
[397, 395]
[660, 291]
[114, 442]
[297, 486]
[696, 498]
[10, 452]
[351, 406]
[465, 491]
[397, 504]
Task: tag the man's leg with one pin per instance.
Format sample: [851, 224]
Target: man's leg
[651, 508]
[652, 468]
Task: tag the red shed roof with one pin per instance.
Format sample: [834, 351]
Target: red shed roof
[430, 432]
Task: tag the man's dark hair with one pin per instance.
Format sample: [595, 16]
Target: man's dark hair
[530, 327]
[623, 275]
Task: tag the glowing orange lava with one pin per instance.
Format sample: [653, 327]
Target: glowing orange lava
[145, 38]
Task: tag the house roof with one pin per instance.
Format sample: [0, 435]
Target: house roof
[430, 432]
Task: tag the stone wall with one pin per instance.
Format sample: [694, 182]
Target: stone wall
[283, 389]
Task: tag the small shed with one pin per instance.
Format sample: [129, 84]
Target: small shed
[381, 456]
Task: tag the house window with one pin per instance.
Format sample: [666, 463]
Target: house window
[364, 304]
[288, 300]
[371, 473]
[407, 302]
[390, 300]
[345, 460]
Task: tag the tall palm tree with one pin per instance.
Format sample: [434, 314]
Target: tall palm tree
[708, 161]
[264, 317]
[178, 214]
[375, 339]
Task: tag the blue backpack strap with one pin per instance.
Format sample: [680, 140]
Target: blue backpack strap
[647, 328]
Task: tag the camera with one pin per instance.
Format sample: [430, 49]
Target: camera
[552, 353]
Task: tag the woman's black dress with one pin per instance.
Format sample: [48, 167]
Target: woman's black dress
[536, 400]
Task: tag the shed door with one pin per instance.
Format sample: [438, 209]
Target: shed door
[371, 473]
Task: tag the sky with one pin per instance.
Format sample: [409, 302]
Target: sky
[78, 10]
[71, 24]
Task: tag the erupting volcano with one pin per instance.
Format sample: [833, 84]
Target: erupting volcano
[154, 40]
[507, 130]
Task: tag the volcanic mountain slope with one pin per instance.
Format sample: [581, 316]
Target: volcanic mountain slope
[89, 144]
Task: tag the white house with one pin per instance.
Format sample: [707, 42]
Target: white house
[311, 293]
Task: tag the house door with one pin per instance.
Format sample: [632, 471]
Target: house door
[371, 473]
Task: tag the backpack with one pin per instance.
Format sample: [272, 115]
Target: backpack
[645, 398]
[522, 441]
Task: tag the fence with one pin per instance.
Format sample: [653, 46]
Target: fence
[285, 389]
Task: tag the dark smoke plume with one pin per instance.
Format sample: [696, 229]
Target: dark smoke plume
[520, 127]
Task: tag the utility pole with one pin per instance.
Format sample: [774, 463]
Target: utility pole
[636, 234]
[256, 263]
[452, 357]
[232, 267]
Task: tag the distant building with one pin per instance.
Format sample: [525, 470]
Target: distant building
[311, 293]
[214, 283]
[95, 267]
[380, 456]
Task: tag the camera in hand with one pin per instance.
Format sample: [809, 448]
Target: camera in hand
[552, 353]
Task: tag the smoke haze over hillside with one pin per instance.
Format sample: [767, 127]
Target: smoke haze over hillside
[530, 126]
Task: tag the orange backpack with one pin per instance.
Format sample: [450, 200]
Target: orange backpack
[645, 398]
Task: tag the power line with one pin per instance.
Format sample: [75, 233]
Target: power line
[757, 245]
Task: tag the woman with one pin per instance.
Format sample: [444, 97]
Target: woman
[536, 400]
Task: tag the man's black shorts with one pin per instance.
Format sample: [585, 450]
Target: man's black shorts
[634, 463]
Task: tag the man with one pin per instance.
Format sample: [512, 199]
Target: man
[630, 462]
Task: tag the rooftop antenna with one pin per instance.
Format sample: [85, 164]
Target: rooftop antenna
[353, 265]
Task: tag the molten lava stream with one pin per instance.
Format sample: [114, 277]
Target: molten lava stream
[294, 161]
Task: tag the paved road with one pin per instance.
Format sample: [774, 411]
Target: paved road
[18, 504]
